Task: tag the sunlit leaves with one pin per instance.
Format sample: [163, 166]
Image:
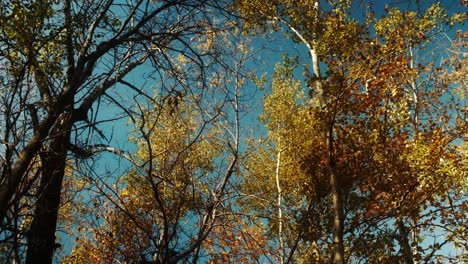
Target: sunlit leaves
[235, 241]
[29, 29]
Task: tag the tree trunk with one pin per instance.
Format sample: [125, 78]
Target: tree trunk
[337, 193]
[278, 203]
[338, 208]
[41, 235]
[404, 243]
[9, 186]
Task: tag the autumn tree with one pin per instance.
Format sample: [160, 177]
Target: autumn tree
[276, 177]
[376, 109]
[63, 62]
[176, 204]
[148, 218]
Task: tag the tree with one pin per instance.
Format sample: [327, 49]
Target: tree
[62, 62]
[280, 161]
[176, 203]
[148, 219]
[369, 105]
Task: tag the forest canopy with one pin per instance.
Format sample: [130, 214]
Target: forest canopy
[233, 131]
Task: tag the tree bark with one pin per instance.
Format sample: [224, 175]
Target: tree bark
[338, 208]
[41, 236]
[279, 204]
[404, 243]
